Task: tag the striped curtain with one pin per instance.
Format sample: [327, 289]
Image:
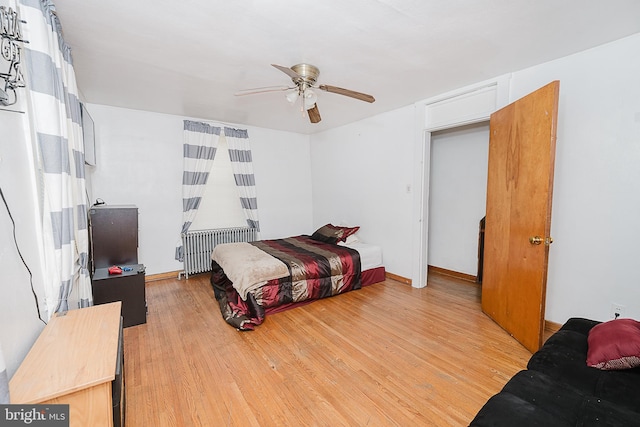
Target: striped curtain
[55, 120]
[242, 165]
[199, 150]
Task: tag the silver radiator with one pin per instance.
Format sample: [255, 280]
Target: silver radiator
[199, 244]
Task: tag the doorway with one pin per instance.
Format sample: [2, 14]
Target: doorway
[520, 221]
[457, 196]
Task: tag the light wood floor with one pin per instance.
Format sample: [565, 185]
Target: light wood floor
[385, 355]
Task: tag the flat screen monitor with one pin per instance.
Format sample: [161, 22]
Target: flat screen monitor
[88, 134]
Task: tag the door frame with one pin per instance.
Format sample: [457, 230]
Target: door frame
[468, 105]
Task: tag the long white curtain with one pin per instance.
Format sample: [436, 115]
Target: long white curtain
[56, 125]
[199, 150]
[242, 165]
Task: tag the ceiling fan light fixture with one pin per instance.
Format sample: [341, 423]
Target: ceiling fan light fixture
[310, 98]
[292, 97]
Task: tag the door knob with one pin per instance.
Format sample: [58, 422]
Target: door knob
[537, 240]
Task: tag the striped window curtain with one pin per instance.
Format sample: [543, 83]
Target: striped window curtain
[199, 150]
[242, 165]
[55, 120]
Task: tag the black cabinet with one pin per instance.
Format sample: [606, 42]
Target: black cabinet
[114, 235]
[127, 287]
[114, 241]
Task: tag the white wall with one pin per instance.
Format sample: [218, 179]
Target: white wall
[596, 202]
[283, 182]
[139, 161]
[457, 196]
[19, 322]
[361, 177]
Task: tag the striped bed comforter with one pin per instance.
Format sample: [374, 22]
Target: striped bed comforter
[314, 270]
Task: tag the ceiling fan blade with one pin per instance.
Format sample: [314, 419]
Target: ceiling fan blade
[347, 92]
[314, 114]
[288, 71]
[263, 90]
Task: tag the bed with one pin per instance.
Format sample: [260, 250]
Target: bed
[253, 279]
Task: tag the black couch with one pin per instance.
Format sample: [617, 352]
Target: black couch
[559, 389]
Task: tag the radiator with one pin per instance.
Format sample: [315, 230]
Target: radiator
[199, 244]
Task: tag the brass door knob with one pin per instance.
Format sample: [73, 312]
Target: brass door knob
[537, 240]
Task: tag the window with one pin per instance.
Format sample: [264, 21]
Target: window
[220, 206]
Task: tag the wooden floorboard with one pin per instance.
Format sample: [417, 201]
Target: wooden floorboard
[385, 355]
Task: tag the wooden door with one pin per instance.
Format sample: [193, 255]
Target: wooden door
[519, 191]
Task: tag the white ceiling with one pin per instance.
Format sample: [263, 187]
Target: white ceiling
[189, 57]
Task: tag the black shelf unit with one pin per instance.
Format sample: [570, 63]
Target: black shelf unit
[114, 235]
[114, 241]
[127, 287]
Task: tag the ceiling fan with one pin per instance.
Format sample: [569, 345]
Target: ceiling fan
[304, 77]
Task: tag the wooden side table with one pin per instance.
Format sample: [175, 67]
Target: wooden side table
[74, 361]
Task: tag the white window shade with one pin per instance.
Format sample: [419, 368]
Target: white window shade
[220, 206]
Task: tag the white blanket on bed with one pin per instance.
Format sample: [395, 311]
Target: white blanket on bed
[247, 267]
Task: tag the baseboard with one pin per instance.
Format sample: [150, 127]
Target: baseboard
[551, 327]
[397, 278]
[462, 276]
[432, 269]
[161, 276]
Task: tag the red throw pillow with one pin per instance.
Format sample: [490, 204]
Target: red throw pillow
[614, 345]
[348, 231]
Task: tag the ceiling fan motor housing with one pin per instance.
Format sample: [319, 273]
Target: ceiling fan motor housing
[308, 73]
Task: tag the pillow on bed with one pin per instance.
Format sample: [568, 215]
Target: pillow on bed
[614, 345]
[353, 238]
[333, 234]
